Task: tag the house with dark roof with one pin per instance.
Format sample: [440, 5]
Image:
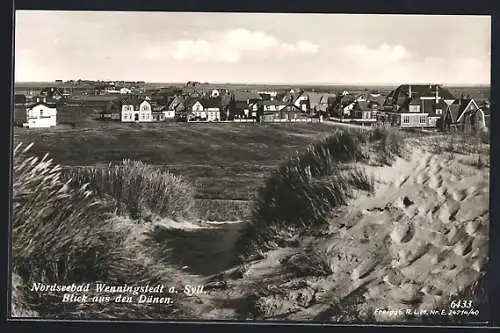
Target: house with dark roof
[40, 114]
[288, 113]
[202, 109]
[132, 108]
[463, 114]
[297, 98]
[364, 112]
[175, 107]
[236, 110]
[321, 102]
[344, 103]
[414, 106]
[160, 112]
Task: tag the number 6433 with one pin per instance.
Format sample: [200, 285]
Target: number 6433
[461, 304]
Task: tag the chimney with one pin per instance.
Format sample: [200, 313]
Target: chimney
[437, 93]
[38, 99]
[409, 90]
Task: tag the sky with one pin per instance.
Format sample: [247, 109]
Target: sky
[252, 47]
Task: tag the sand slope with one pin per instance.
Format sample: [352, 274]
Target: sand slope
[422, 238]
[419, 240]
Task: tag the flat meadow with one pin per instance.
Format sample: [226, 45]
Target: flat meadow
[226, 163]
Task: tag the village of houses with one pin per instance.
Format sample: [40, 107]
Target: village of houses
[427, 106]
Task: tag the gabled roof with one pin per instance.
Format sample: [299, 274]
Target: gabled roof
[211, 102]
[457, 108]
[47, 104]
[292, 97]
[400, 96]
[176, 100]
[345, 100]
[190, 101]
[426, 90]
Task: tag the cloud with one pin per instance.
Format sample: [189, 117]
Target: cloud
[384, 53]
[229, 47]
[302, 46]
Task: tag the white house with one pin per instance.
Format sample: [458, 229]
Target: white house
[204, 109]
[41, 114]
[134, 109]
[125, 91]
[214, 93]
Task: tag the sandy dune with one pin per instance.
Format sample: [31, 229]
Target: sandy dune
[419, 240]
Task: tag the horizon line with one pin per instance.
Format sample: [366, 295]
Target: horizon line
[270, 83]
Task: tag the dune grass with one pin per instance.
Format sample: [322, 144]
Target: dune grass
[50, 221]
[62, 233]
[138, 189]
[301, 193]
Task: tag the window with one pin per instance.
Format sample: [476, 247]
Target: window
[414, 108]
[406, 119]
[41, 113]
[439, 111]
[423, 119]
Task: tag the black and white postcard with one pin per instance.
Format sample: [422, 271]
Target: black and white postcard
[196, 166]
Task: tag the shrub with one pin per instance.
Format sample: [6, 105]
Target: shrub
[62, 234]
[54, 225]
[391, 143]
[138, 188]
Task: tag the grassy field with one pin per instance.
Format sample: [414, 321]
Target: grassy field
[226, 163]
